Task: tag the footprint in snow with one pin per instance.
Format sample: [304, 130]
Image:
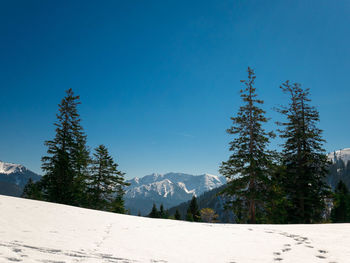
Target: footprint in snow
[309, 246]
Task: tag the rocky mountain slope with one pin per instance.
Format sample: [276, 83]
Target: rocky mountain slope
[340, 168]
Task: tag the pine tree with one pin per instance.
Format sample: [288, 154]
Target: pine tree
[106, 183]
[154, 212]
[161, 211]
[166, 214]
[277, 206]
[304, 158]
[177, 215]
[32, 190]
[248, 167]
[341, 210]
[66, 164]
[193, 213]
[189, 216]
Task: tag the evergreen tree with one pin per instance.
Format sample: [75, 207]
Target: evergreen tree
[166, 214]
[277, 206]
[341, 209]
[193, 213]
[106, 183]
[248, 167]
[189, 216]
[32, 190]
[177, 215]
[303, 157]
[154, 212]
[161, 211]
[66, 164]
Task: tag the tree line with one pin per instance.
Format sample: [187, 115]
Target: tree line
[71, 175]
[194, 214]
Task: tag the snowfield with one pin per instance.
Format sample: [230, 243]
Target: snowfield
[34, 231]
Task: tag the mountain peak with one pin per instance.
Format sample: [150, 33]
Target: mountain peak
[10, 168]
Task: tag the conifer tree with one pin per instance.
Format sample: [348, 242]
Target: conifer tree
[66, 164]
[341, 209]
[189, 216]
[177, 215]
[32, 190]
[304, 158]
[193, 213]
[161, 211]
[106, 182]
[166, 214]
[154, 212]
[248, 167]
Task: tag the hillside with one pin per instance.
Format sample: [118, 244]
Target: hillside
[34, 231]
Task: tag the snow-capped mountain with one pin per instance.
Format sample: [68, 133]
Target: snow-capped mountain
[340, 168]
[13, 178]
[343, 154]
[168, 189]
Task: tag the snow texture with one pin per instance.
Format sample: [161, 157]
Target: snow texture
[34, 231]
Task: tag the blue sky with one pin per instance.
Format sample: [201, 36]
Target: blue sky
[159, 80]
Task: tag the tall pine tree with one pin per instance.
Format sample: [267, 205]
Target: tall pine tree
[248, 167]
[66, 164]
[106, 182]
[303, 157]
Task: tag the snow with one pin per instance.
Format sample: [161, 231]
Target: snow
[343, 154]
[9, 168]
[163, 184]
[34, 231]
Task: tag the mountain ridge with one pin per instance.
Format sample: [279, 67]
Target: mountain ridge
[169, 189]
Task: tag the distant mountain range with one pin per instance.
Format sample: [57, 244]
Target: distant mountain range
[168, 189]
[13, 178]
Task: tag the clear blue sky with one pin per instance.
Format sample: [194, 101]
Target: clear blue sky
[159, 80]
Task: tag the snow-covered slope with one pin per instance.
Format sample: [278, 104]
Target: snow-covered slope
[14, 176]
[343, 154]
[169, 189]
[34, 231]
